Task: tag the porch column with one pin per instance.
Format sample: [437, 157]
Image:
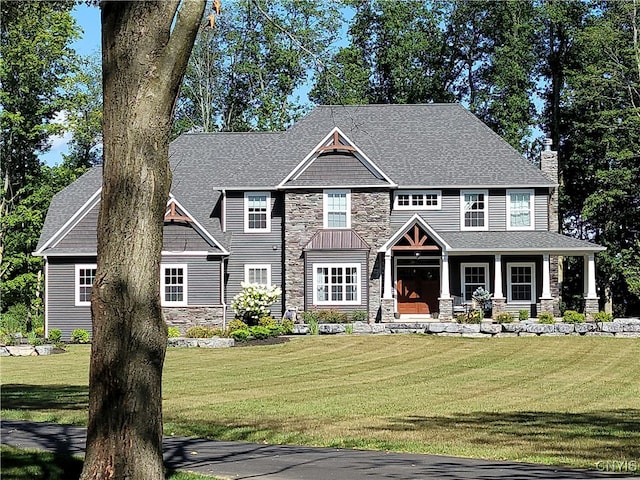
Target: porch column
[590, 276]
[546, 300]
[444, 277]
[498, 301]
[388, 294]
[590, 294]
[546, 278]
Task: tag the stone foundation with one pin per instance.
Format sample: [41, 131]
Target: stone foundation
[498, 306]
[445, 305]
[186, 317]
[547, 305]
[591, 307]
[387, 307]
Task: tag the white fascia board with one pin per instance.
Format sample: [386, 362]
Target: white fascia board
[405, 228]
[532, 251]
[333, 187]
[477, 186]
[71, 223]
[304, 164]
[201, 229]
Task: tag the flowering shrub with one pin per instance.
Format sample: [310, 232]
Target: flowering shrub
[253, 302]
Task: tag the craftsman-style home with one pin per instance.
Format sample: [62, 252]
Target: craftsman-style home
[399, 210]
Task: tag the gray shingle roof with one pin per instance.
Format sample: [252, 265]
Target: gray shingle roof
[514, 241]
[436, 145]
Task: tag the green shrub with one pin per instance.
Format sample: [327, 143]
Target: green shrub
[312, 316]
[474, 316]
[259, 332]
[571, 316]
[348, 328]
[504, 317]
[241, 335]
[80, 335]
[14, 320]
[267, 321]
[199, 331]
[236, 324]
[173, 332]
[523, 315]
[34, 339]
[55, 335]
[359, 316]
[286, 326]
[332, 316]
[313, 325]
[603, 317]
[39, 331]
[546, 317]
[253, 302]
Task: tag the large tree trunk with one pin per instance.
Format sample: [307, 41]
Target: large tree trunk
[144, 58]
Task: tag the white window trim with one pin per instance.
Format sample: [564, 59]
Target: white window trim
[325, 207]
[486, 210]
[532, 202]
[267, 229]
[463, 285]
[185, 284]
[411, 193]
[358, 268]
[79, 267]
[510, 299]
[252, 266]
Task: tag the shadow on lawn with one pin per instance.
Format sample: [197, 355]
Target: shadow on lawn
[44, 397]
[600, 435]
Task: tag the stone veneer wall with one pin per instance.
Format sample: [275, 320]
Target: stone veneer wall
[303, 217]
[186, 317]
[549, 166]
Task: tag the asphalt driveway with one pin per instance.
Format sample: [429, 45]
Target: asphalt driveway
[235, 460]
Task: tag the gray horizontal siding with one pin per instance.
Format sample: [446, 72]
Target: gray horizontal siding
[62, 312]
[542, 209]
[203, 289]
[336, 169]
[445, 219]
[179, 237]
[336, 256]
[253, 248]
[497, 210]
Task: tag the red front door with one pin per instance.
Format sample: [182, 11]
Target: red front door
[418, 290]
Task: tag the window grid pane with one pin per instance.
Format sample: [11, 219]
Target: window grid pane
[474, 209]
[521, 283]
[173, 284]
[520, 209]
[474, 277]
[337, 210]
[337, 284]
[257, 212]
[86, 277]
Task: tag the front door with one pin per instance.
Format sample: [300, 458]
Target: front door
[418, 290]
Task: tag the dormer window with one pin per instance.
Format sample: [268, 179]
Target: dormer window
[337, 208]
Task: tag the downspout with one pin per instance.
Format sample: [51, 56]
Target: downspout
[222, 295]
[223, 214]
[46, 297]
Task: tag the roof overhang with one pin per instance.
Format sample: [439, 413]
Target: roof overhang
[414, 220]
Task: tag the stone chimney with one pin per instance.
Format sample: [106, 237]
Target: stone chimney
[549, 166]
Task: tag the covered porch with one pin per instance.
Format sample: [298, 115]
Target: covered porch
[426, 273]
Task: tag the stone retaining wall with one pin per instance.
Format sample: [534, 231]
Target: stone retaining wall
[618, 328]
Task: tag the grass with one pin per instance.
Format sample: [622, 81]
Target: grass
[554, 400]
[24, 464]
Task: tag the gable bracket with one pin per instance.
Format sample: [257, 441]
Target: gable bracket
[336, 145]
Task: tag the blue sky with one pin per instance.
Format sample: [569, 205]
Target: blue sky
[88, 18]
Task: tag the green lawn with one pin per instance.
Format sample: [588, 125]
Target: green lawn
[556, 400]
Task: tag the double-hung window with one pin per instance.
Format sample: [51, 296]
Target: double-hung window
[474, 208]
[85, 275]
[258, 274]
[417, 200]
[336, 284]
[521, 282]
[520, 210]
[257, 216]
[474, 275]
[173, 285]
[337, 208]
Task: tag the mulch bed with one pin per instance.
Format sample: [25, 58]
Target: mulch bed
[263, 341]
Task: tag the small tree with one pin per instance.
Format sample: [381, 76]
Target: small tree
[482, 298]
[254, 300]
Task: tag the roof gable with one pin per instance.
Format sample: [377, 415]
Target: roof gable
[336, 162]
